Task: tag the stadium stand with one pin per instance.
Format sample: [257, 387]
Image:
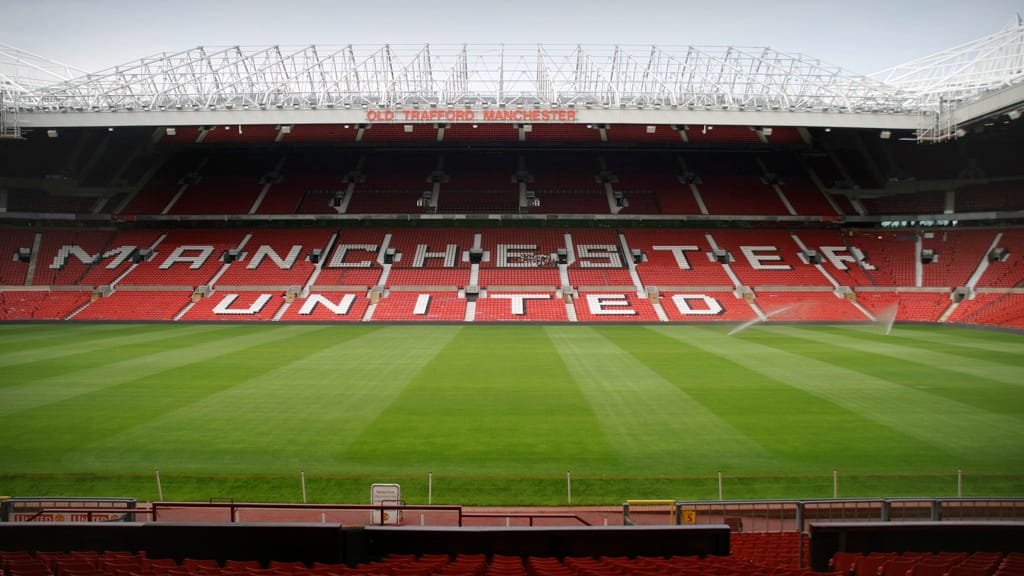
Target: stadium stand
[66, 255]
[40, 305]
[277, 258]
[656, 222]
[677, 258]
[706, 306]
[239, 306]
[188, 258]
[767, 258]
[142, 305]
[326, 306]
[500, 306]
[808, 306]
[421, 306]
[810, 274]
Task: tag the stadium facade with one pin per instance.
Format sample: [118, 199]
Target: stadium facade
[646, 183]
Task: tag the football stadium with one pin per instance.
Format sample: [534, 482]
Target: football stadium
[512, 310]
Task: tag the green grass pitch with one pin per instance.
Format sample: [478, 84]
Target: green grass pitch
[500, 414]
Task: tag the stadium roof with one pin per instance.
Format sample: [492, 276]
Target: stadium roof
[574, 83]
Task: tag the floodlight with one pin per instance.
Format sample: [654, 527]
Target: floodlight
[885, 134]
[1013, 114]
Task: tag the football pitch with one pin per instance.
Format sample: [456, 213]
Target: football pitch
[507, 414]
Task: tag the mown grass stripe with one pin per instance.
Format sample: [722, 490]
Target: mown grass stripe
[653, 424]
[802, 431]
[964, 432]
[19, 336]
[968, 337]
[495, 400]
[65, 385]
[296, 415]
[919, 353]
[981, 393]
[59, 435]
[75, 343]
[127, 348]
[969, 348]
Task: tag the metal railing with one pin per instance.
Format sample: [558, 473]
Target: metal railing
[795, 515]
[233, 512]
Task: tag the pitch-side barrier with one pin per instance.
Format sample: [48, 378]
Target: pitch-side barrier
[796, 515]
[346, 514]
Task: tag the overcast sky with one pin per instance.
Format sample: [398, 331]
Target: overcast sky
[863, 36]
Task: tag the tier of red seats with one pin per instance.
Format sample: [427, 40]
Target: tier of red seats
[137, 305]
[642, 133]
[768, 258]
[705, 306]
[228, 182]
[110, 268]
[522, 306]
[164, 185]
[162, 271]
[429, 277]
[504, 133]
[546, 277]
[910, 306]
[436, 306]
[590, 277]
[754, 554]
[13, 272]
[263, 133]
[677, 257]
[658, 173]
[437, 240]
[845, 270]
[664, 269]
[739, 194]
[479, 171]
[991, 309]
[295, 271]
[479, 201]
[562, 133]
[235, 306]
[327, 306]
[357, 267]
[959, 254]
[891, 254]
[526, 247]
[992, 196]
[926, 564]
[624, 306]
[928, 202]
[1008, 272]
[807, 306]
[640, 202]
[40, 305]
[382, 133]
[66, 269]
[301, 179]
[805, 198]
[677, 262]
[723, 134]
